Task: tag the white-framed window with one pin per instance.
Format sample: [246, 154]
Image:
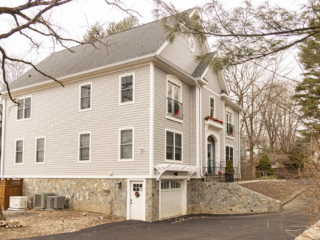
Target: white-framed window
[229, 153]
[84, 147]
[19, 148]
[24, 108]
[40, 150]
[126, 144]
[174, 98]
[85, 99]
[191, 43]
[173, 146]
[126, 83]
[229, 125]
[212, 107]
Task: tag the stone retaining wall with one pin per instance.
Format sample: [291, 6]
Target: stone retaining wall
[92, 195]
[227, 198]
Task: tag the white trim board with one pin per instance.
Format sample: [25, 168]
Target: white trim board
[151, 127]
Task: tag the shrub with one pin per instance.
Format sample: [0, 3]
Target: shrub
[265, 165]
[268, 177]
[229, 166]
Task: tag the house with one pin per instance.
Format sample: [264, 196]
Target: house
[127, 133]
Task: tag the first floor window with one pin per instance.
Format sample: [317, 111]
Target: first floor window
[19, 151]
[84, 153]
[85, 98]
[126, 144]
[24, 108]
[174, 146]
[127, 89]
[229, 153]
[40, 150]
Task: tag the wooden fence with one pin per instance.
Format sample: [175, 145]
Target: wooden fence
[9, 188]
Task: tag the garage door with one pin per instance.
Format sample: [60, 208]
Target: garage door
[171, 204]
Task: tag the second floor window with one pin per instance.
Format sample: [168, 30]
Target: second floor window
[229, 126]
[19, 151]
[85, 98]
[84, 147]
[173, 146]
[126, 145]
[174, 107]
[211, 107]
[127, 89]
[40, 150]
[24, 108]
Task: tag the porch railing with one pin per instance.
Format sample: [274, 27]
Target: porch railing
[230, 129]
[221, 174]
[174, 108]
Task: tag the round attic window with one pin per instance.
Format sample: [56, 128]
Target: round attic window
[192, 45]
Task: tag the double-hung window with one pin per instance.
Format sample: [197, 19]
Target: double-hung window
[174, 105]
[230, 127]
[126, 88]
[84, 147]
[40, 148]
[19, 152]
[212, 107]
[173, 146]
[229, 153]
[126, 144]
[85, 96]
[24, 108]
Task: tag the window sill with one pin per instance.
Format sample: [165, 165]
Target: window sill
[174, 119]
[174, 161]
[127, 103]
[18, 163]
[23, 119]
[230, 137]
[85, 110]
[84, 161]
[39, 163]
[125, 160]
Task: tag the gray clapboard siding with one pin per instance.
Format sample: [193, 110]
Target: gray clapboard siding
[59, 107]
[161, 123]
[178, 53]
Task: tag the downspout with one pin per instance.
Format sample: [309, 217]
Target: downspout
[2, 135]
[200, 130]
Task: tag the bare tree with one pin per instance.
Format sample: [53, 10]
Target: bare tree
[32, 21]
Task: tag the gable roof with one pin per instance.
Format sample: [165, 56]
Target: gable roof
[202, 66]
[129, 44]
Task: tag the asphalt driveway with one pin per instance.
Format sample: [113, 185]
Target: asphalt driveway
[287, 224]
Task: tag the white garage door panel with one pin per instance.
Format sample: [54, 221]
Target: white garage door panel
[171, 204]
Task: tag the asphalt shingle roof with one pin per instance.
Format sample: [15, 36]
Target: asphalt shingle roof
[133, 43]
[202, 66]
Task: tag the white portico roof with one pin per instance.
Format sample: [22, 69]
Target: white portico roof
[176, 167]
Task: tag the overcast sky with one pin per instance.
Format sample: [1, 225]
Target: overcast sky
[75, 17]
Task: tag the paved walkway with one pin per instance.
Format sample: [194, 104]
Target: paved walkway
[285, 225]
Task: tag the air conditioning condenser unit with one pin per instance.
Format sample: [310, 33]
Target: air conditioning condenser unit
[40, 200]
[55, 202]
[18, 203]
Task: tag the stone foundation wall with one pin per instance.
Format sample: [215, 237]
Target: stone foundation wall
[152, 200]
[92, 195]
[227, 198]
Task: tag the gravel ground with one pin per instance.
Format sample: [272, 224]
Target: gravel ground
[279, 190]
[40, 223]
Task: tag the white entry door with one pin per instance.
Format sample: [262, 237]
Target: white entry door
[136, 201]
[171, 200]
